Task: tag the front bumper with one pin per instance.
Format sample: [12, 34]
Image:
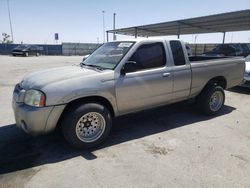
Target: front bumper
[36, 121]
[246, 81]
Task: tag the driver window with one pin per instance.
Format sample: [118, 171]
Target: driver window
[149, 56]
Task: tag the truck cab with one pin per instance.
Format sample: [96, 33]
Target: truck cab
[151, 72]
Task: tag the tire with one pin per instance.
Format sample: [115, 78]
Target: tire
[37, 54]
[26, 54]
[211, 100]
[87, 125]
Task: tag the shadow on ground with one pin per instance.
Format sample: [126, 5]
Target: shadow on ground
[19, 151]
[241, 90]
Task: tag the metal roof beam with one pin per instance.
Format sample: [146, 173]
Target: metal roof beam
[200, 27]
[232, 21]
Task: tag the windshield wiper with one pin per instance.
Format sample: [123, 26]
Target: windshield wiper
[97, 67]
[94, 66]
[83, 64]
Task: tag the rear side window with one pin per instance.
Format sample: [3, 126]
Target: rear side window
[149, 56]
[178, 54]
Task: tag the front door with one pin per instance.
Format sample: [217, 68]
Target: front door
[150, 85]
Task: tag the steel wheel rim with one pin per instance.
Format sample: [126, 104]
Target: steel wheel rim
[90, 127]
[216, 101]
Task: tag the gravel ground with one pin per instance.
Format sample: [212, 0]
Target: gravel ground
[172, 146]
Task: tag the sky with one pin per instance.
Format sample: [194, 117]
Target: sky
[36, 21]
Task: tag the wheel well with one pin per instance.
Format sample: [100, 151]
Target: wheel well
[95, 99]
[219, 80]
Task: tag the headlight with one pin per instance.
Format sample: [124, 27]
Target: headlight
[34, 98]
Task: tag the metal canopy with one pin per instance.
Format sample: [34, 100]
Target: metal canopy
[225, 22]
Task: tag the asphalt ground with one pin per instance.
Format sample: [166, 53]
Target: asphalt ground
[172, 146]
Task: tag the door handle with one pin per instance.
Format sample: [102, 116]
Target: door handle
[166, 74]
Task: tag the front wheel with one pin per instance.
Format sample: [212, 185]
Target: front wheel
[211, 100]
[26, 54]
[86, 125]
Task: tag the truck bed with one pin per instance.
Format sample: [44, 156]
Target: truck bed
[204, 68]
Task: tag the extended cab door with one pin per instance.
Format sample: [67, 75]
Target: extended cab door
[181, 71]
[150, 84]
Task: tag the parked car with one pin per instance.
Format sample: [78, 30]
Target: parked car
[246, 81]
[120, 77]
[229, 50]
[26, 50]
[246, 49]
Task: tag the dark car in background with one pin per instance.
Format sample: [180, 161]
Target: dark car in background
[245, 49]
[26, 50]
[246, 81]
[229, 50]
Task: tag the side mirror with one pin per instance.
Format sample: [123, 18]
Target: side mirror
[129, 66]
[85, 57]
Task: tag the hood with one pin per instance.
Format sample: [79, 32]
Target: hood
[40, 79]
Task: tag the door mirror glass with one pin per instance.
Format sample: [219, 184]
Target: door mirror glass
[129, 66]
[85, 57]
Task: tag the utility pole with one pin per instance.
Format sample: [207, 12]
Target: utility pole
[103, 23]
[114, 37]
[12, 38]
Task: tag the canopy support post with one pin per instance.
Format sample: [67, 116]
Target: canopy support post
[224, 35]
[107, 36]
[135, 32]
[179, 31]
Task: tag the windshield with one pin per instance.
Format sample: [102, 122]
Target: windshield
[20, 47]
[108, 55]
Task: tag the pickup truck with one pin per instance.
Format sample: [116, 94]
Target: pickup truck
[118, 78]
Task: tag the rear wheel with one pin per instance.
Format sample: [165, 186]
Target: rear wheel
[211, 100]
[86, 125]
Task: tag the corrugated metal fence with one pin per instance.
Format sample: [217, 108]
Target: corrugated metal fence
[6, 49]
[78, 48]
[63, 49]
[88, 48]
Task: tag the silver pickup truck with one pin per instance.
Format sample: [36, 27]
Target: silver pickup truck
[119, 78]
